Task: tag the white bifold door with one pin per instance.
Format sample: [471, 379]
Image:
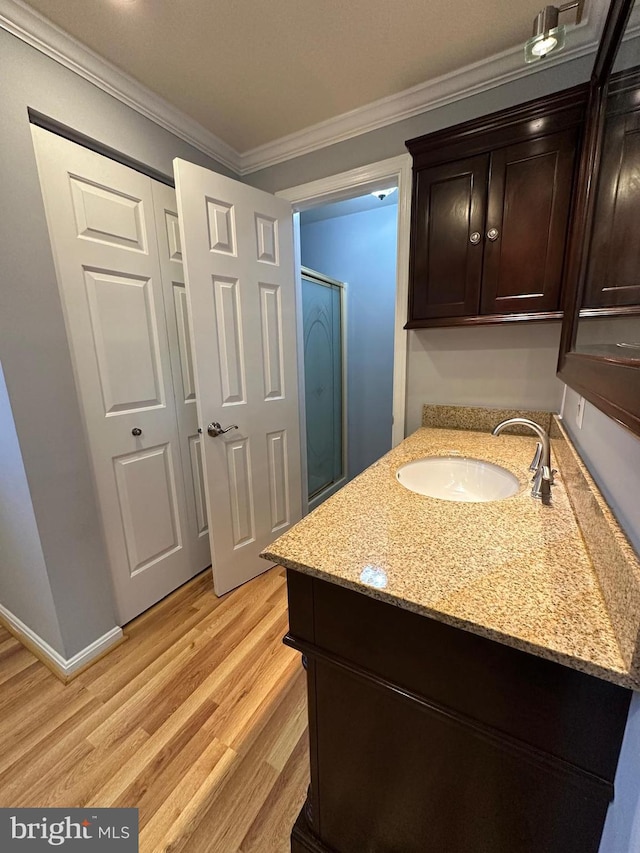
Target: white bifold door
[238, 255]
[163, 484]
[116, 245]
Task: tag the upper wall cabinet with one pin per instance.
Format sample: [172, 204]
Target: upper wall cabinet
[600, 343]
[491, 204]
[613, 269]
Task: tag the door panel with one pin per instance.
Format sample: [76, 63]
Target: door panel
[197, 476]
[172, 226]
[278, 480]
[125, 333]
[272, 343]
[449, 208]
[240, 491]
[238, 251]
[184, 342]
[267, 239]
[108, 216]
[148, 503]
[221, 226]
[102, 226]
[230, 340]
[529, 197]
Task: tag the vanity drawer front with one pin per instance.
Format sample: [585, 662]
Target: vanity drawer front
[566, 713]
[394, 776]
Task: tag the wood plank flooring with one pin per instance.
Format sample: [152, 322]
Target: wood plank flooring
[198, 720]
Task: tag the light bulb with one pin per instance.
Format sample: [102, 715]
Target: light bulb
[542, 48]
[382, 194]
[544, 43]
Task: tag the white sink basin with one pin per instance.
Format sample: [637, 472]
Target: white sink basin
[455, 478]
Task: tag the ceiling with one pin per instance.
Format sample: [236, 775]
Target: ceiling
[360, 204]
[252, 72]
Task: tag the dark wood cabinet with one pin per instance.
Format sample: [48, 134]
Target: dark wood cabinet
[613, 273]
[425, 738]
[489, 230]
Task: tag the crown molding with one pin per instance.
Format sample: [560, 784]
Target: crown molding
[28, 25]
[479, 77]
[37, 31]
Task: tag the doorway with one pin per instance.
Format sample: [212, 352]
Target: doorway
[353, 240]
[335, 228]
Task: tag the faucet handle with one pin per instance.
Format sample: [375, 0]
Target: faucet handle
[542, 482]
[537, 456]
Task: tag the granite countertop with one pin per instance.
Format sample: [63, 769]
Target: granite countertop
[513, 570]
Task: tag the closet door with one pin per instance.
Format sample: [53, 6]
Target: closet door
[102, 226]
[238, 255]
[180, 351]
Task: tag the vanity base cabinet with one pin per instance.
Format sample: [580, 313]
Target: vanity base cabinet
[425, 738]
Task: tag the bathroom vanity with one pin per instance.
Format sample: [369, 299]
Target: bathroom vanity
[468, 682]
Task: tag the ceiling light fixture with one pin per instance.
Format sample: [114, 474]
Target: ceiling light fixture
[382, 194]
[548, 34]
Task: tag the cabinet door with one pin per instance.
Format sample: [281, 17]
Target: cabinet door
[393, 775]
[527, 217]
[613, 277]
[446, 264]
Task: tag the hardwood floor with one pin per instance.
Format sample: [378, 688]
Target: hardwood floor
[198, 719]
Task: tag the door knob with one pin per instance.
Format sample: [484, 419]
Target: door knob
[493, 234]
[136, 431]
[474, 238]
[214, 429]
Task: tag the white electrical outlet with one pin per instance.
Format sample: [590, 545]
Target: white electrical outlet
[580, 412]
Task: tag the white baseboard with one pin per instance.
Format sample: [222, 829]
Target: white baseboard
[63, 667]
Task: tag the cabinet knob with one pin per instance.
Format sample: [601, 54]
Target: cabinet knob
[493, 234]
[474, 237]
[136, 431]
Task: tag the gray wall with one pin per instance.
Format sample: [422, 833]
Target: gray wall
[33, 344]
[508, 366]
[612, 454]
[360, 249]
[24, 585]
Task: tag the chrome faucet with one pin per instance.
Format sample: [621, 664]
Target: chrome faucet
[541, 463]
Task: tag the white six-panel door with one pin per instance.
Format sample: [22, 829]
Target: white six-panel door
[103, 231]
[238, 255]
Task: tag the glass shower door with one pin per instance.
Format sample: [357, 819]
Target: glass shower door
[323, 377]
